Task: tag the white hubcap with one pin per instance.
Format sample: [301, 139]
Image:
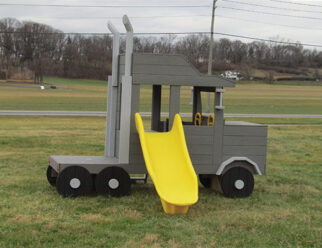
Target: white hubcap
[75, 183]
[113, 183]
[239, 184]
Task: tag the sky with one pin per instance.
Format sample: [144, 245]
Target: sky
[229, 18]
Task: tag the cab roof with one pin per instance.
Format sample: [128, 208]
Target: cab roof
[169, 69]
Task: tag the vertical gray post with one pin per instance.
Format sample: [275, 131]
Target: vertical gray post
[124, 144]
[197, 104]
[110, 119]
[112, 96]
[156, 107]
[219, 128]
[211, 45]
[135, 104]
[174, 105]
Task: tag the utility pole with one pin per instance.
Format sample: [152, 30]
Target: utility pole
[211, 45]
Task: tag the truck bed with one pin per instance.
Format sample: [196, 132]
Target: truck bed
[92, 163]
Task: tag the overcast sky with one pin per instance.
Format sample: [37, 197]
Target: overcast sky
[229, 21]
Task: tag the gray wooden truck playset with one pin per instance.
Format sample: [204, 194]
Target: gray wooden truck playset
[225, 154]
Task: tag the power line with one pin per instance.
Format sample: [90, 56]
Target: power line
[117, 17]
[268, 23]
[103, 6]
[269, 40]
[172, 33]
[296, 3]
[269, 13]
[179, 16]
[272, 7]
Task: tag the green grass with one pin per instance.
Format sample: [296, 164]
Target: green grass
[283, 211]
[90, 95]
[68, 81]
[286, 82]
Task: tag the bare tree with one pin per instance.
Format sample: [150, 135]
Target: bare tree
[8, 49]
[38, 42]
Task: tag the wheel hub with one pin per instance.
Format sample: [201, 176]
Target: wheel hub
[75, 183]
[113, 183]
[239, 184]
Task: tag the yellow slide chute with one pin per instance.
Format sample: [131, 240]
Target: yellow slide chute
[169, 165]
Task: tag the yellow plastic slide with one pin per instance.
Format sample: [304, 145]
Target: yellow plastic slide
[169, 165]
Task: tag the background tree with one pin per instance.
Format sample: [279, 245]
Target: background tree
[47, 51]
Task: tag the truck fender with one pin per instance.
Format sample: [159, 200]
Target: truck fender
[231, 160]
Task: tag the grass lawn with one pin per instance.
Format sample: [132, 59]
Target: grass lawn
[285, 209]
[90, 95]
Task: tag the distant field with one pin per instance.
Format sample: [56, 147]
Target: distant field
[288, 74]
[90, 95]
[283, 211]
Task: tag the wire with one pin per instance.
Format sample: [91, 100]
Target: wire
[267, 23]
[269, 13]
[173, 33]
[303, 4]
[268, 40]
[181, 16]
[272, 7]
[104, 6]
[117, 17]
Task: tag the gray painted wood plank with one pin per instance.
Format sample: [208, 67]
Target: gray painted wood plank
[201, 159]
[204, 169]
[121, 71]
[135, 104]
[135, 149]
[181, 80]
[110, 119]
[244, 150]
[242, 123]
[244, 140]
[172, 70]
[199, 140]
[159, 59]
[218, 132]
[137, 159]
[193, 140]
[200, 149]
[122, 59]
[198, 130]
[245, 130]
[118, 107]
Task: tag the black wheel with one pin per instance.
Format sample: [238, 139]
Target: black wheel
[51, 175]
[237, 182]
[74, 181]
[205, 180]
[113, 181]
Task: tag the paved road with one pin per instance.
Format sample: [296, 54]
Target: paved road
[102, 114]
